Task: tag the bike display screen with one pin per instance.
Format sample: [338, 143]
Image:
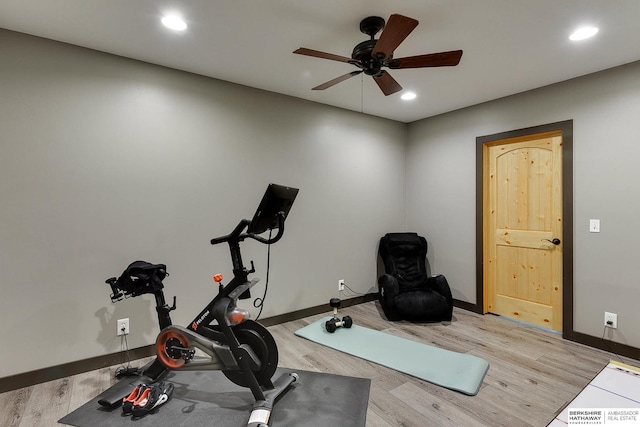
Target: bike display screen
[276, 199]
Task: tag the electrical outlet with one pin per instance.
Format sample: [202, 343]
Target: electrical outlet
[341, 285]
[611, 320]
[123, 327]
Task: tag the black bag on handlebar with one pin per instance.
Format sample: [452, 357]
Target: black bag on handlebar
[141, 277]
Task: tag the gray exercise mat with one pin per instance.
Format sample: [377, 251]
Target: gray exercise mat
[204, 398]
[457, 371]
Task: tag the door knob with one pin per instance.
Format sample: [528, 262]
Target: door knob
[555, 241]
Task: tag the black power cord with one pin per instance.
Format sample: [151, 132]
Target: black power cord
[353, 293]
[606, 343]
[259, 302]
[126, 371]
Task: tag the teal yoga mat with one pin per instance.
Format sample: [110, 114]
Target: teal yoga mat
[456, 371]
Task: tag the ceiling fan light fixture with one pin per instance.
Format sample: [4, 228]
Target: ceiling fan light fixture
[174, 22]
[408, 96]
[583, 33]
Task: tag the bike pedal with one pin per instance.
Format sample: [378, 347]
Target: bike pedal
[188, 356]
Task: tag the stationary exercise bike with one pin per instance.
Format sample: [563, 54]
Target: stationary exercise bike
[242, 349]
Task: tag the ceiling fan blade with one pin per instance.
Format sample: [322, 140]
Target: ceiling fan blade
[397, 29]
[323, 55]
[442, 59]
[336, 80]
[387, 84]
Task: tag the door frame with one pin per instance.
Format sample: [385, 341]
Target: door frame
[567, 213]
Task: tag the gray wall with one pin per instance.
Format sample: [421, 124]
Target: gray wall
[605, 108]
[105, 160]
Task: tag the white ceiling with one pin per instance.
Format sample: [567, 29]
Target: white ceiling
[509, 46]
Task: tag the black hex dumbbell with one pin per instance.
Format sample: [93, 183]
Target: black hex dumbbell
[334, 323]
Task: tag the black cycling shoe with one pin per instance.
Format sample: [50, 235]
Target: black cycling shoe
[127, 402]
[151, 398]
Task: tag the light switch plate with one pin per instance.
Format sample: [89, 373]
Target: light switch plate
[594, 225]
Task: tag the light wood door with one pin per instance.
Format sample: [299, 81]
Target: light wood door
[522, 217]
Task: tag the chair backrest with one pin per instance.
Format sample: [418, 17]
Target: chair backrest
[403, 255]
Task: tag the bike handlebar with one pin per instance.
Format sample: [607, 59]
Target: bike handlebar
[238, 236]
[235, 234]
[275, 238]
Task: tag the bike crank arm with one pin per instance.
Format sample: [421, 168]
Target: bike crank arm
[176, 346]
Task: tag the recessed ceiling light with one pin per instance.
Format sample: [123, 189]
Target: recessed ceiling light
[583, 33]
[408, 96]
[175, 23]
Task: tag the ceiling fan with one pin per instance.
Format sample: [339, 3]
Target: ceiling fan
[372, 55]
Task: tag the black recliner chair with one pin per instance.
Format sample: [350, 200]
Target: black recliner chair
[406, 293]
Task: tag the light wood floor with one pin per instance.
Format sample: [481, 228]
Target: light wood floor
[533, 374]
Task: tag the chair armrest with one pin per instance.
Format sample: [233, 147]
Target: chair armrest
[388, 287]
[440, 285]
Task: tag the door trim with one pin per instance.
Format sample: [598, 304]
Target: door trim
[567, 212]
